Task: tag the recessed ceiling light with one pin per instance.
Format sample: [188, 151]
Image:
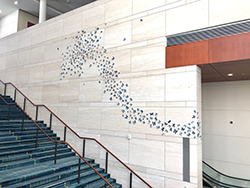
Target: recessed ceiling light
[0, 11]
[16, 2]
[230, 74]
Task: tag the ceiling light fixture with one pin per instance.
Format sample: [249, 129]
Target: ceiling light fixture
[230, 74]
[0, 11]
[16, 2]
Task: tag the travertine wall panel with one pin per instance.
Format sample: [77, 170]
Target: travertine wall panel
[148, 58]
[140, 5]
[11, 60]
[189, 17]
[54, 30]
[72, 24]
[3, 63]
[225, 11]
[115, 122]
[53, 51]
[148, 27]
[22, 76]
[89, 118]
[38, 54]
[93, 17]
[24, 57]
[121, 152]
[173, 156]
[35, 94]
[36, 74]
[153, 157]
[38, 35]
[13, 43]
[51, 72]
[69, 92]
[150, 88]
[3, 46]
[50, 93]
[25, 39]
[117, 9]
[90, 92]
[181, 86]
[122, 60]
[118, 35]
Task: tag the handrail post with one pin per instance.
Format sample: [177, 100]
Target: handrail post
[36, 136]
[22, 122]
[5, 85]
[130, 180]
[55, 152]
[106, 164]
[36, 112]
[15, 95]
[79, 170]
[9, 113]
[83, 148]
[24, 104]
[65, 130]
[50, 121]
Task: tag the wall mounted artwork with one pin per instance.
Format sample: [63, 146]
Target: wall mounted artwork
[87, 48]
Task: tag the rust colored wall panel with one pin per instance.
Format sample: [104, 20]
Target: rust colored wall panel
[223, 49]
[193, 53]
[229, 48]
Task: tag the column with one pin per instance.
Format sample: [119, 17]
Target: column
[42, 11]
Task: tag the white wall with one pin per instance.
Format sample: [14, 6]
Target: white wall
[8, 24]
[226, 146]
[24, 18]
[15, 21]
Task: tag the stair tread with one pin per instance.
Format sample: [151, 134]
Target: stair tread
[38, 169]
[30, 149]
[38, 159]
[20, 137]
[49, 164]
[9, 133]
[101, 183]
[41, 142]
[30, 155]
[84, 179]
[57, 173]
[24, 140]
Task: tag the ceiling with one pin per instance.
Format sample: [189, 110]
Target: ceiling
[218, 72]
[54, 7]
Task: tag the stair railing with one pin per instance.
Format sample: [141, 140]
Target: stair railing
[15, 92]
[56, 142]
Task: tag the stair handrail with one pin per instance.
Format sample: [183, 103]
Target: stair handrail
[87, 138]
[56, 141]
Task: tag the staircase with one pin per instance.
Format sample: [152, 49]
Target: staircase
[27, 163]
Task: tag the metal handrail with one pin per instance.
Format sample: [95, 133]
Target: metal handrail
[218, 183]
[84, 138]
[56, 141]
[224, 174]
